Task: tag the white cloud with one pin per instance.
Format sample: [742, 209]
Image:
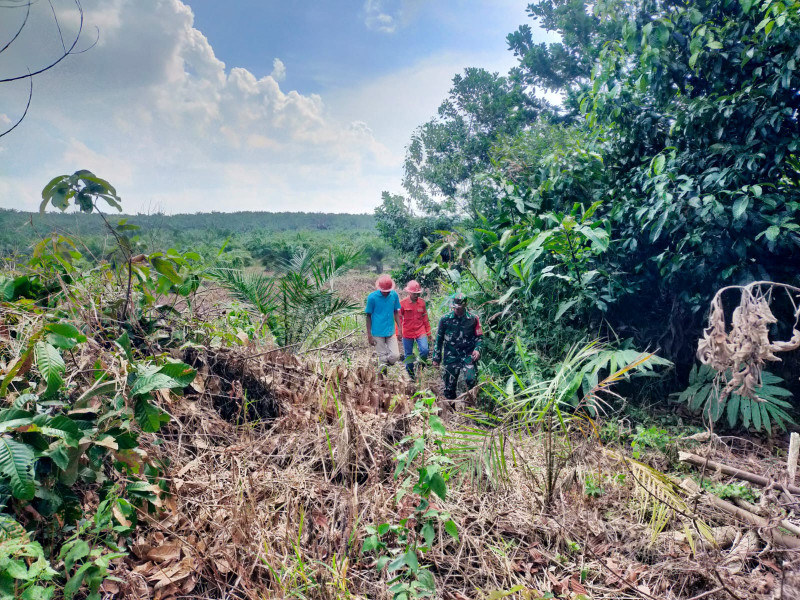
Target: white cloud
[158, 114]
[387, 16]
[278, 70]
[152, 109]
[376, 19]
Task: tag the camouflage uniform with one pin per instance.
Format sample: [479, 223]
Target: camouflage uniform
[456, 338]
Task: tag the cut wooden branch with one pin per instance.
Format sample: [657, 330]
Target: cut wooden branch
[699, 461]
[794, 450]
[786, 524]
[766, 530]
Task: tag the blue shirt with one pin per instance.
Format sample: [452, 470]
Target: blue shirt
[382, 309]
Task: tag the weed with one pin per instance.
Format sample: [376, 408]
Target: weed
[592, 487]
[732, 491]
[397, 544]
[652, 437]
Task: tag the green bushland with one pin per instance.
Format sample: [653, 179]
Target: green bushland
[671, 169]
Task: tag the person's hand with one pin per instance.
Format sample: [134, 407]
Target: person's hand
[435, 364]
[371, 340]
[475, 355]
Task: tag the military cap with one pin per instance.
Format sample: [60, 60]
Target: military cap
[458, 299]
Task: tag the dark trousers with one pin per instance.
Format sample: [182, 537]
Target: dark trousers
[408, 351]
[451, 372]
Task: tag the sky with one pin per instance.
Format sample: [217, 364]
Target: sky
[202, 105]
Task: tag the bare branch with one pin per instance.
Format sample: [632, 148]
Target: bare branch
[21, 27]
[66, 53]
[58, 25]
[27, 106]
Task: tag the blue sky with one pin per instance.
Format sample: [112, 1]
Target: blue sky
[325, 43]
[201, 105]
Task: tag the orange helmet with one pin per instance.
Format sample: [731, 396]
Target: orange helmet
[413, 287]
[384, 283]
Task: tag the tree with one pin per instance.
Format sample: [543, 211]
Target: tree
[406, 231]
[11, 5]
[376, 252]
[699, 104]
[446, 153]
[565, 66]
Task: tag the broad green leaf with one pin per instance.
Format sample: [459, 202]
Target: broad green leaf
[451, 528]
[740, 206]
[51, 366]
[59, 341]
[148, 416]
[58, 454]
[765, 420]
[657, 164]
[397, 563]
[438, 486]
[426, 581]
[564, 307]
[16, 463]
[437, 425]
[166, 268]
[756, 415]
[65, 428]
[78, 550]
[746, 407]
[67, 330]
[598, 237]
[124, 342]
[411, 560]
[772, 232]
[733, 409]
[74, 583]
[370, 544]
[428, 534]
[171, 375]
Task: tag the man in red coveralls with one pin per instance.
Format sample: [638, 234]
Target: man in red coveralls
[416, 327]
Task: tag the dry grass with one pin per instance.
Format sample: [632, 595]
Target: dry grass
[275, 505]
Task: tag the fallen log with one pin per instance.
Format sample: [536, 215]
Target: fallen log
[766, 530]
[699, 461]
[787, 525]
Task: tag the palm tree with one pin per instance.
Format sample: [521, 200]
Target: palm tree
[298, 302]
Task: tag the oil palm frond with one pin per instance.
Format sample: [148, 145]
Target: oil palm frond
[257, 290]
[297, 301]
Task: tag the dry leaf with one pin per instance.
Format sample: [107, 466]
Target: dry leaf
[166, 552]
[121, 519]
[222, 565]
[576, 586]
[173, 574]
[107, 442]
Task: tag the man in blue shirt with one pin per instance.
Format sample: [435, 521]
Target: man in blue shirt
[383, 315]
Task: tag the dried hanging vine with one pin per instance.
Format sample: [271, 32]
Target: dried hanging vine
[739, 355]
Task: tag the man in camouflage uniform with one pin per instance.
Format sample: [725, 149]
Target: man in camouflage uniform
[458, 344]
